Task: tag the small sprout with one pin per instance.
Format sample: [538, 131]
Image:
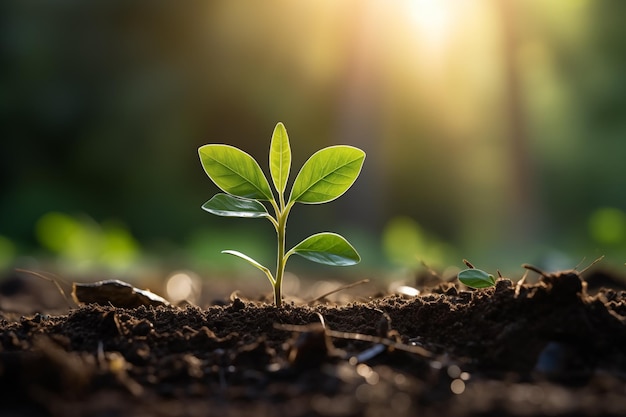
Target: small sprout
[476, 278]
[325, 176]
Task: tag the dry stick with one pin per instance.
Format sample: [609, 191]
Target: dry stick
[518, 285]
[468, 264]
[319, 315]
[535, 269]
[383, 341]
[360, 337]
[580, 263]
[344, 287]
[56, 283]
[592, 264]
[544, 274]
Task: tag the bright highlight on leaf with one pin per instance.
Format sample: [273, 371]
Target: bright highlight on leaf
[325, 176]
[476, 278]
[252, 262]
[280, 158]
[230, 206]
[327, 248]
[235, 172]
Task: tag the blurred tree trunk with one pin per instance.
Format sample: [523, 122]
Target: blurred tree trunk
[522, 216]
[359, 120]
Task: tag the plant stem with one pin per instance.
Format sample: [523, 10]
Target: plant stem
[281, 260]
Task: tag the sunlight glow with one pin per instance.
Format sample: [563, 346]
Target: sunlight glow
[434, 20]
[183, 285]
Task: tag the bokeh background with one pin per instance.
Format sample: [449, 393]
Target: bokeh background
[495, 130]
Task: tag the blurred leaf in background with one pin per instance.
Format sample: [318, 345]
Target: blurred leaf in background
[85, 244]
[7, 253]
[607, 227]
[407, 245]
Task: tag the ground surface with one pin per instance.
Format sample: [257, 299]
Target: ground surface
[547, 348]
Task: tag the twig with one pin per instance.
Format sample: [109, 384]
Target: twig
[418, 350]
[545, 274]
[518, 285]
[53, 280]
[535, 269]
[592, 264]
[384, 341]
[344, 287]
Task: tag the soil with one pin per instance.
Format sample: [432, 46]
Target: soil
[546, 348]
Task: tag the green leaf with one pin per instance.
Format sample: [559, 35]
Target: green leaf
[230, 206]
[253, 263]
[327, 174]
[280, 158]
[326, 248]
[235, 172]
[476, 278]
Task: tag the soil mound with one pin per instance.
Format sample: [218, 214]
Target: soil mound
[548, 348]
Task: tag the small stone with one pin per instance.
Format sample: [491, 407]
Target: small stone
[143, 328]
[503, 285]
[238, 304]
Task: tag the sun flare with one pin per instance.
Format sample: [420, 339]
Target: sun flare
[433, 20]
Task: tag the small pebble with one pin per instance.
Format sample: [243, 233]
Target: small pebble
[143, 328]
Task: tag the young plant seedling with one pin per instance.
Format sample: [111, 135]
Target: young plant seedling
[325, 176]
[476, 278]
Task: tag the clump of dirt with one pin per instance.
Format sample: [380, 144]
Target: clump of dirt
[547, 348]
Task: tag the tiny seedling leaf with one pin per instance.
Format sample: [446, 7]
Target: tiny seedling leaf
[230, 206]
[327, 248]
[235, 172]
[327, 174]
[476, 278]
[280, 158]
[252, 262]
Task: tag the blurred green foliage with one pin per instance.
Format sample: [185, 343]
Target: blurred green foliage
[85, 244]
[406, 244]
[496, 127]
[607, 226]
[7, 253]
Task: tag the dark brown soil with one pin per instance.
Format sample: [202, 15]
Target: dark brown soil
[547, 348]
